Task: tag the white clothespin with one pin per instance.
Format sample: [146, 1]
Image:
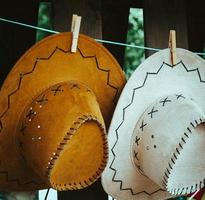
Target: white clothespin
[75, 28]
[172, 46]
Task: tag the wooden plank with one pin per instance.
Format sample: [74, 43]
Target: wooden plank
[14, 39]
[115, 24]
[93, 192]
[161, 16]
[90, 11]
[93, 20]
[196, 25]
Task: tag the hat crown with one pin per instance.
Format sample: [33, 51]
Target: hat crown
[58, 132]
[159, 137]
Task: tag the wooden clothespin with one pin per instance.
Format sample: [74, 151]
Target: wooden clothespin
[75, 28]
[172, 46]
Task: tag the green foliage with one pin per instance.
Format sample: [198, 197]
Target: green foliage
[135, 36]
[44, 19]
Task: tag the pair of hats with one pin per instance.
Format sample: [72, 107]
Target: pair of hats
[54, 109]
[157, 134]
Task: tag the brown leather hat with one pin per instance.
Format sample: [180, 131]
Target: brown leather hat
[53, 105]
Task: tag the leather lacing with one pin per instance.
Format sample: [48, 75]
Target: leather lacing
[171, 163]
[64, 142]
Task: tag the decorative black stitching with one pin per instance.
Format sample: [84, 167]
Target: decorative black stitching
[137, 139]
[170, 166]
[177, 151]
[166, 175]
[152, 112]
[47, 192]
[182, 191]
[30, 114]
[142, 125]
[136, 155]
[180, 96]
[165, 180]
[192, 124]
[61, 146]
[183, 139]
[104, 70]
[74, 85]
[186, 135]
[191, 188]
[180, 145]
[42, 100]
[86, 182]
[164, 183]
[148, 74]
[57, 90]
[166, 100]
[172, 160]
[178, 190]
[22, 75]
[189, 129]
[200, 184]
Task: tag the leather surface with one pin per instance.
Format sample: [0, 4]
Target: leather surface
[64, 139]
[45, 64]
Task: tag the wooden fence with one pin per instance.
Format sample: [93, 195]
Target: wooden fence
[103, 19]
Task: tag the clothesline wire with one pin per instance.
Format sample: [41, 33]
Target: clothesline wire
[98, 40]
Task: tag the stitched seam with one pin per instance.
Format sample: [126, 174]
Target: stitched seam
[174, 157]
[148, 74]
[22, 75]
[76, 125]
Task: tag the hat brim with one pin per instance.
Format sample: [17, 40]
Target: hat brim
[45, 64]
[155, 78]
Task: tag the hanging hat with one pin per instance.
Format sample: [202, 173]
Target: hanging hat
[157, 135]
[53, 105]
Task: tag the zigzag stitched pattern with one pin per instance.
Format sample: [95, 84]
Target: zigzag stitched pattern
[123, 119]
[104, 70]
[47, 58]
[21, 75]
